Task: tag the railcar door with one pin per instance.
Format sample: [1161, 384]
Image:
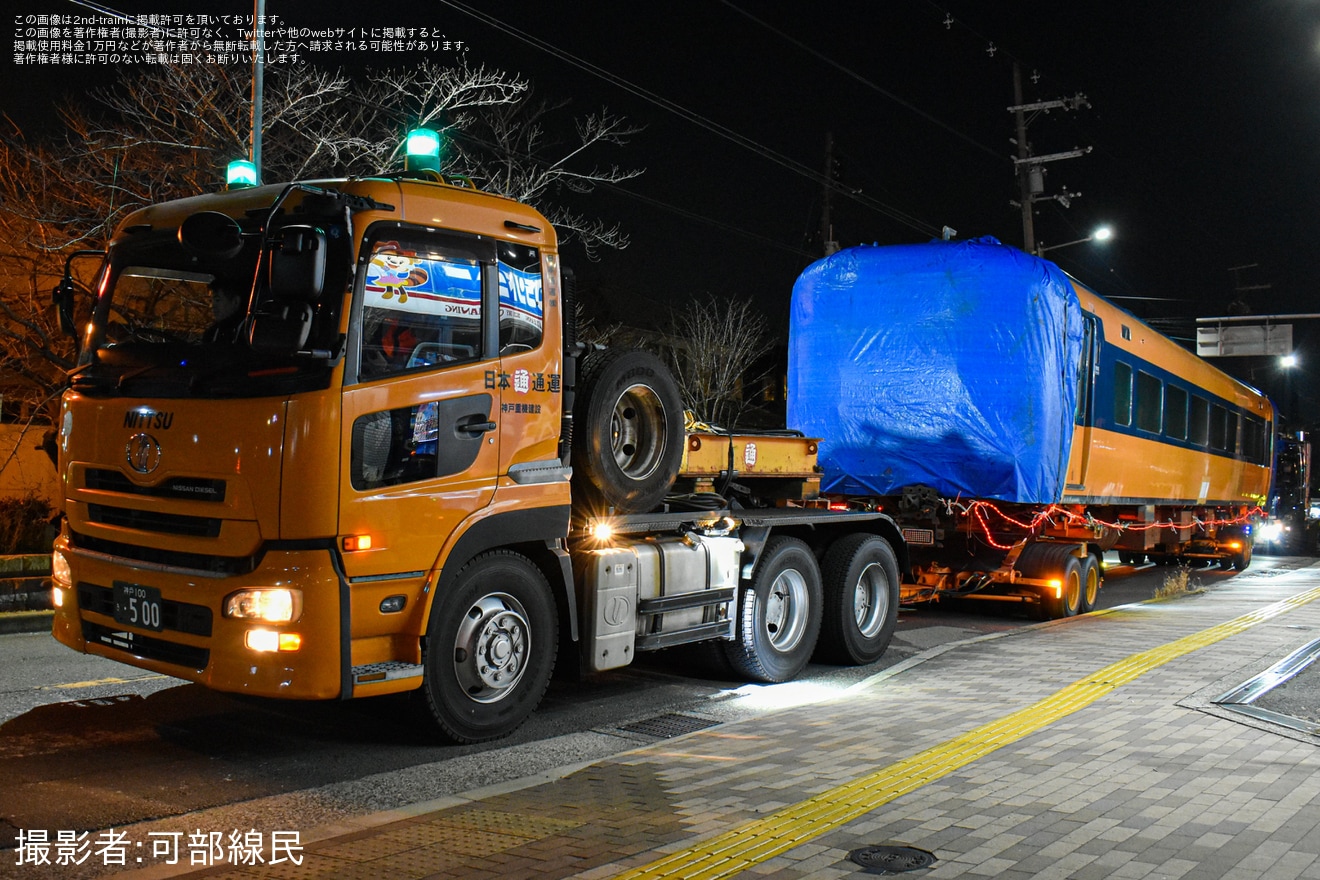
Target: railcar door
[1084, 418]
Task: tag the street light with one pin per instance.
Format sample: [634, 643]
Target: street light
[1103, 233]
[1288, 361]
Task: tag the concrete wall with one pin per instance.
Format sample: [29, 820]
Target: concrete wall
[24, 583]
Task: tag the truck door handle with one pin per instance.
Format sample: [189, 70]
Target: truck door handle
[470, 425]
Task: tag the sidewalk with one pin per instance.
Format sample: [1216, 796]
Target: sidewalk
[1086, 748]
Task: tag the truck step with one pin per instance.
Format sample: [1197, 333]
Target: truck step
[703, 633]
[388, 671]
[681, 601]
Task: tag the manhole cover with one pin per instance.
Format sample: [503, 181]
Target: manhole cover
[887, 859]
[666, 726]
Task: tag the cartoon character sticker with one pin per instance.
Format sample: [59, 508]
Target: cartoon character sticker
[395, 271]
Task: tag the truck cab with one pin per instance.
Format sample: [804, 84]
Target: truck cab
[291, 404]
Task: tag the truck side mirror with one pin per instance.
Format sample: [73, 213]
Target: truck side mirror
[64, 293]
[62, 297]
[279, 327]
[297, 264]
[295, 274]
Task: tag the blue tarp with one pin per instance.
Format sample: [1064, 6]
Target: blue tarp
[950, 364]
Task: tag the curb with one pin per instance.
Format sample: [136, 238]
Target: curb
[12, 622]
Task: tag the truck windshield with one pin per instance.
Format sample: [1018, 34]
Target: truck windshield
[170, 323]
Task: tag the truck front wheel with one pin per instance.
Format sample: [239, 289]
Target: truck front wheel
[491, 647]
[861, 600]
[778, 613]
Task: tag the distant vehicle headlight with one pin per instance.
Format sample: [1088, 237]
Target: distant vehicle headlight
[1270, 532]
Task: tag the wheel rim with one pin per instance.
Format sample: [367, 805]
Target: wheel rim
[637, 432]
[871, 600]
[491, 648]
[786, 611]
[1092, 584]
[1072, 590]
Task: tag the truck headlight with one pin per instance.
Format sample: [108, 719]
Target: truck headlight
[271, 606]
[61, 576]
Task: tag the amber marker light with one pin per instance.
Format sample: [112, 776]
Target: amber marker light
[269, 641]
[354, 543]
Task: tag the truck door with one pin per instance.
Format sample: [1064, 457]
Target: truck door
[421, 417]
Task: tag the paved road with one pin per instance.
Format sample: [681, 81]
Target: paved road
[92, 744]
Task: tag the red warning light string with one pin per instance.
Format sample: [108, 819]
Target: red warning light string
[976, 510]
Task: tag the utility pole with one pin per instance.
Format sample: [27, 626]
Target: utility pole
[1030, 170]
[1239, 305]
[827, 193]
[1024, 178]
[258, 75]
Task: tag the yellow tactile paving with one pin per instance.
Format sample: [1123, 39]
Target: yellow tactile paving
[754, 842]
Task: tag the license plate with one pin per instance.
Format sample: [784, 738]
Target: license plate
[136, 605]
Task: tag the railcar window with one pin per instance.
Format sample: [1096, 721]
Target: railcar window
[1175, 412]
[1122, 393]
[1253, 440]
[1200, 424]
[1150, 402]
[1218, 427]
[1231, 434]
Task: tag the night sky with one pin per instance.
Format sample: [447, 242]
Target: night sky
[1204, 124]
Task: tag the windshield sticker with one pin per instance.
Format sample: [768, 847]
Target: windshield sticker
[401, 280]
[520, 297]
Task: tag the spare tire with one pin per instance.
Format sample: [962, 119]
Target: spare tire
[627, 431]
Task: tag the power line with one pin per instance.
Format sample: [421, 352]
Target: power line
[709, 221]
[866, 82]
[695, 118]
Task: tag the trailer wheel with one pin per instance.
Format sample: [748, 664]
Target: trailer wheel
[1054, 562]
[491, 646]
[1242, 558]
[628, 430]
[861, 581]
[778, 613]
[1091, 577]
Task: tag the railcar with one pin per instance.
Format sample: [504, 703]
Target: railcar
[1165, 442]
[1016, 424]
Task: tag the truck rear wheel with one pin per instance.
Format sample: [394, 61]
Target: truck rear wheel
[627, 432]
[860, 575]
[778, 614]
[491, 646]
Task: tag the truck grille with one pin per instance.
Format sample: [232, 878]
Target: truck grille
[190, 488]
[172, 558]
[154, 521]
[181, 617]
[146, 646]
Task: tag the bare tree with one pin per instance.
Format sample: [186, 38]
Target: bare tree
[167, 131]
[713, 349]
[512, 151]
